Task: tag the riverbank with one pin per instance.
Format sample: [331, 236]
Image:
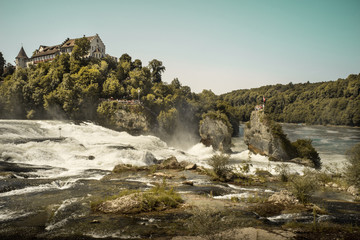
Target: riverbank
[231, 210]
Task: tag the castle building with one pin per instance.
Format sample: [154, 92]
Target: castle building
[48, 53]
[21, 59]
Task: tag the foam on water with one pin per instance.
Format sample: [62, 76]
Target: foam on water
[237, 195]
[260, 162]
[55, 185]
[86, 146]
[6, 215]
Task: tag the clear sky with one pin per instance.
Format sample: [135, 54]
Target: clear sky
[221, 45]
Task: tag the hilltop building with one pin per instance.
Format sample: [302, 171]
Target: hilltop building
[21, 59]
[48, 53]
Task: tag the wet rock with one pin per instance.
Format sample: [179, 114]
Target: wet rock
[6, 175]
[190, 183]
[148, 158]
[170, 163]
[127, 167]
[215, 133]
[353, 190]
[191, 166]
[90, 157]
[283, 197]
[163, 175]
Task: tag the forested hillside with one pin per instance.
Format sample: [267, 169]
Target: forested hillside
[334, 102]
[78, 88]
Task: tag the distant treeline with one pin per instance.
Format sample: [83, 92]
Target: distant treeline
[334, 102]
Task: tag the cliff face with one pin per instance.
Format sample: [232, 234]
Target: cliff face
[130, 121]
[261, 139]
[215, 133]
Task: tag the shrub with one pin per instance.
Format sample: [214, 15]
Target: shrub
[284, 171]
[302, 187]
[158, 198]
[214, 225]
[353, 168]
[220, 166]
[155, 199]
[305, 149]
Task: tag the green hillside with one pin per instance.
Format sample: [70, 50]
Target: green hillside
[333, 102]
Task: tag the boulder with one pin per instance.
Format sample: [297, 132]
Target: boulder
[170, 163]
[261, 139]
[353, 190]
[283, 197]
[162, 175]
[190, 183]
[191, 166]
[215, 133]
[148, 158]
[126, 204]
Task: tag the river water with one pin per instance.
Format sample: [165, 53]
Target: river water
[57, 163]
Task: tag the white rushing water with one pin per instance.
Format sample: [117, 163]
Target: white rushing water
[87, 147]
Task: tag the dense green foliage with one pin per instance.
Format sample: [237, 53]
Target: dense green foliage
[353, 169]
[79, 88]
[305, 149]
[334, 102]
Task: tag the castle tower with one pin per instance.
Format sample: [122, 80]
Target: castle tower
[21, 59]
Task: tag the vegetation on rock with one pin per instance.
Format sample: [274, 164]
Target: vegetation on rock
[353, 169]
[155, 199]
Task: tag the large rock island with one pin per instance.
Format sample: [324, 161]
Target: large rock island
[264, 136]
[215, 130]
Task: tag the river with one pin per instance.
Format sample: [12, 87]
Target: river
[47, 165]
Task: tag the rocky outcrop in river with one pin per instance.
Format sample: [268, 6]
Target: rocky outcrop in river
[261, 138]
[264, 136]
[215, 133]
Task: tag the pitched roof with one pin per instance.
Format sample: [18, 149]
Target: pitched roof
[54, 49]
[71, 42]
[47, 51]
[22, 54]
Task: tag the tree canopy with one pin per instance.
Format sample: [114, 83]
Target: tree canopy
[333, 102]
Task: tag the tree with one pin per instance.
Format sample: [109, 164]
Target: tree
[168, 120]
[8, 70]
[125, 58]
[2, 64]
[112, 87]
[81, 48]
[157, 69]
[137, 64]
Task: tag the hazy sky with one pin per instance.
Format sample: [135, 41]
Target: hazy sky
[220, 45]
